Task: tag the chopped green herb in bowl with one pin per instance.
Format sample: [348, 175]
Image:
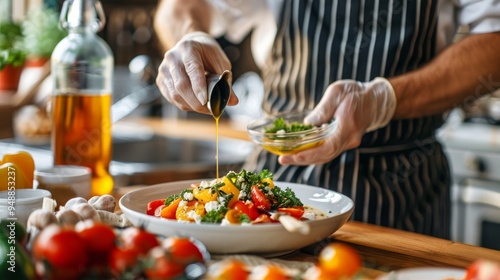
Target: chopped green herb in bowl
[287, 133]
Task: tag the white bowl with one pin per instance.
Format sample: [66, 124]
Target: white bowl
[264, 239]
[18, 205]
[65, 182]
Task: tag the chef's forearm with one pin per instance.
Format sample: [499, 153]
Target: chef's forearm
[462, 72]
[175, 18]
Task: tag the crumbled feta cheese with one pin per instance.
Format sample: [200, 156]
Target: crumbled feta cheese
[242, 195]
[211, 205]
[188, 196]
[204, 184]
[182, 203]
[221, 200]
[193, 215]
[225, 222]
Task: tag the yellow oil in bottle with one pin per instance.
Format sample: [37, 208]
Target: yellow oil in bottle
[82, 135]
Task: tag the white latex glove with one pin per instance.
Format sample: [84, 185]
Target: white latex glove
[181, 76]
[358, 107]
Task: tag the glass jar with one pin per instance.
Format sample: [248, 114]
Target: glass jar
[82, 69]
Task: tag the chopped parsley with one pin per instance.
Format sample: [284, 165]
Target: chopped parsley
[171, 199]
[285, 198]
[281, 125]
[214, 216]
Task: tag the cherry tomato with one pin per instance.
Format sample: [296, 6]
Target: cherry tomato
[295, 212]
[183, 249]
[259, 199]
[262, 218]
[59, 253]
[122, 260]
[339, 260]
[483, 269]
[247, 208]
[268, 272]
[99, 240]
[152, 205]
[317, 273]
[228, 269]
[161, 265]
[139, 239]
[233, 216]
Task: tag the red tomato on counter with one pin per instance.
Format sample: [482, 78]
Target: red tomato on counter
[339, 261]
[59, 253]
[162, 265]
[138, 239]
[483, 269]
[122, 260]
[99, 240]
[183, 249]
[229, 269]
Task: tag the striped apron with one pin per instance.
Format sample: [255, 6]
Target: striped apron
[399, 176]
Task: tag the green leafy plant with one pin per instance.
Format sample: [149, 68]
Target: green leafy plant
[11, 50]
[42, 32]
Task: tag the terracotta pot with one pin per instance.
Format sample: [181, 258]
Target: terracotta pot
[36, 61]
[9, 77]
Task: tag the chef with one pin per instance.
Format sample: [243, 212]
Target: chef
[387, 70]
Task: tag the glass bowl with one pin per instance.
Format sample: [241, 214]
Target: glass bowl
[287, 143]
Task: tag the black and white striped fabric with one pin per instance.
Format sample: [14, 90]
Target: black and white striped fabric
[399, 176]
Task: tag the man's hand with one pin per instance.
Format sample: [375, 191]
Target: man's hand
[181, 78]
[358, 108]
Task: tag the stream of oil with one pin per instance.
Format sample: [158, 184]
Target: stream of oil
[217, 147]
[216, 113]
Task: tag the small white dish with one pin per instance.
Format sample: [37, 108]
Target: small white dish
[17, 205]
[263, 239]
[65, 182]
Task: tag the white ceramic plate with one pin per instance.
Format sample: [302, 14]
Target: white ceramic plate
[427, 273]
[264, 239]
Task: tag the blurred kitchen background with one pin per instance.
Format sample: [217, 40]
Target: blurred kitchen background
[140, 155]
[471, 135]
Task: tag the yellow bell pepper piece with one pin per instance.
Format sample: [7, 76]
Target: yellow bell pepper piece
[182, 212]
[204, 195]
[24, 161]
[233, 216]
[228, 188]
[11, 177]
[269, 181]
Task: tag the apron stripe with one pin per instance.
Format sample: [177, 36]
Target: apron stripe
[400, 40]
[388, 32]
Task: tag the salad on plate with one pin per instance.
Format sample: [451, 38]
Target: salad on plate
[238, 198]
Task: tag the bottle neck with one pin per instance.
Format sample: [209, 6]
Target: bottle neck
[81, 16]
